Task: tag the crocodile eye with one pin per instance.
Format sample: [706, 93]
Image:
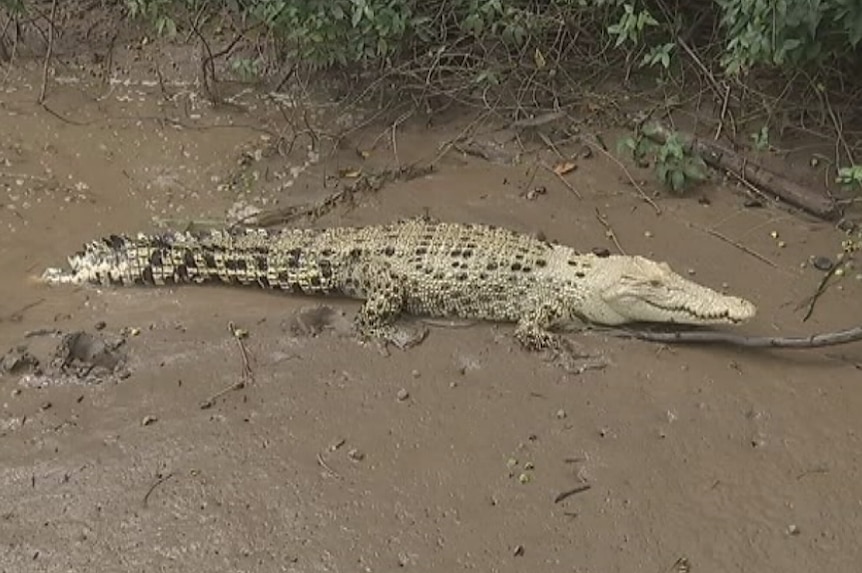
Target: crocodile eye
[655, 283]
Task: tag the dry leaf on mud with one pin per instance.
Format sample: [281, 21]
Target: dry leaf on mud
[564, 167]
[350, 173]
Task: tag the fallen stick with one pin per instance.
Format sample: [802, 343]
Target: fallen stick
[725, 160]
[715, 337]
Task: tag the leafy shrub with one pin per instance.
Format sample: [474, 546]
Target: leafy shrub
[677, 167]
[789, 33]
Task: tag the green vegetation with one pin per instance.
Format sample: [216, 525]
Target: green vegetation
[677, 167]
[851, 177]
[796, 61]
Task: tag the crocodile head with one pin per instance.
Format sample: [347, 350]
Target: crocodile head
[634, 289]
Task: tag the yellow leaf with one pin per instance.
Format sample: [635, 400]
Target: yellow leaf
[564, 167]
[539, 59]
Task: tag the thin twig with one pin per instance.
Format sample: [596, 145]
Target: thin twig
[401, 119]
[161, 479]
[239, 335]
[724, 103]
[569, 493]
[751, 187]
[737, 244]
[246, 373]
[821, 288]
[64, 119]
[628, 174]
[48, 54]
[550, 144]
[716, 87]
[538, 120]
[207, 65]
[109, 60]
[325, 466]
[446, 146]
[839, 131]
[373, 145]
[609, 231]
[564, 181]
[532, 171]
[210, 402]
[14, 54]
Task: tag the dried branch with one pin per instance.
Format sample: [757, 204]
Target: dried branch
[716, 337]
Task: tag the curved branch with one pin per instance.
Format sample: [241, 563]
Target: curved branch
[716, 337]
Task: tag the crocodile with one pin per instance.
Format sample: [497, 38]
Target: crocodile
[420, 267]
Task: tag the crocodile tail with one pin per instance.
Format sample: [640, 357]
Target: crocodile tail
[234, 257]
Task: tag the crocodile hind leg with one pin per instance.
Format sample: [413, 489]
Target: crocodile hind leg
[384, 303]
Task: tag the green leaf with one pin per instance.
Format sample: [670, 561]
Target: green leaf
[691, 170]
[626, 145]
[677, 180]
[662, 170]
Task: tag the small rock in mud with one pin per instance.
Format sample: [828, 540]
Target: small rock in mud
[535, 192]
[822, 263]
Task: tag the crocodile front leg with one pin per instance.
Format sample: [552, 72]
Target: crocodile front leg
[533, 332]
[533, 328]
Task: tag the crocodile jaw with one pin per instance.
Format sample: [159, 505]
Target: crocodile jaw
[635, 289]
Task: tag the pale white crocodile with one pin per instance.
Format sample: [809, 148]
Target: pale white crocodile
[419, 267]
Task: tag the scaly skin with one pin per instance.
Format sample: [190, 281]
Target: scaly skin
[419, 267]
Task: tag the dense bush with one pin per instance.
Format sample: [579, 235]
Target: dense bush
[750, 33]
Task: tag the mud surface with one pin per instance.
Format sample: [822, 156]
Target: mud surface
[316, 453]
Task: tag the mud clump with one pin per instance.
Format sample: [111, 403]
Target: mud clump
[19, 360]
[51, 358]
[311, 321]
